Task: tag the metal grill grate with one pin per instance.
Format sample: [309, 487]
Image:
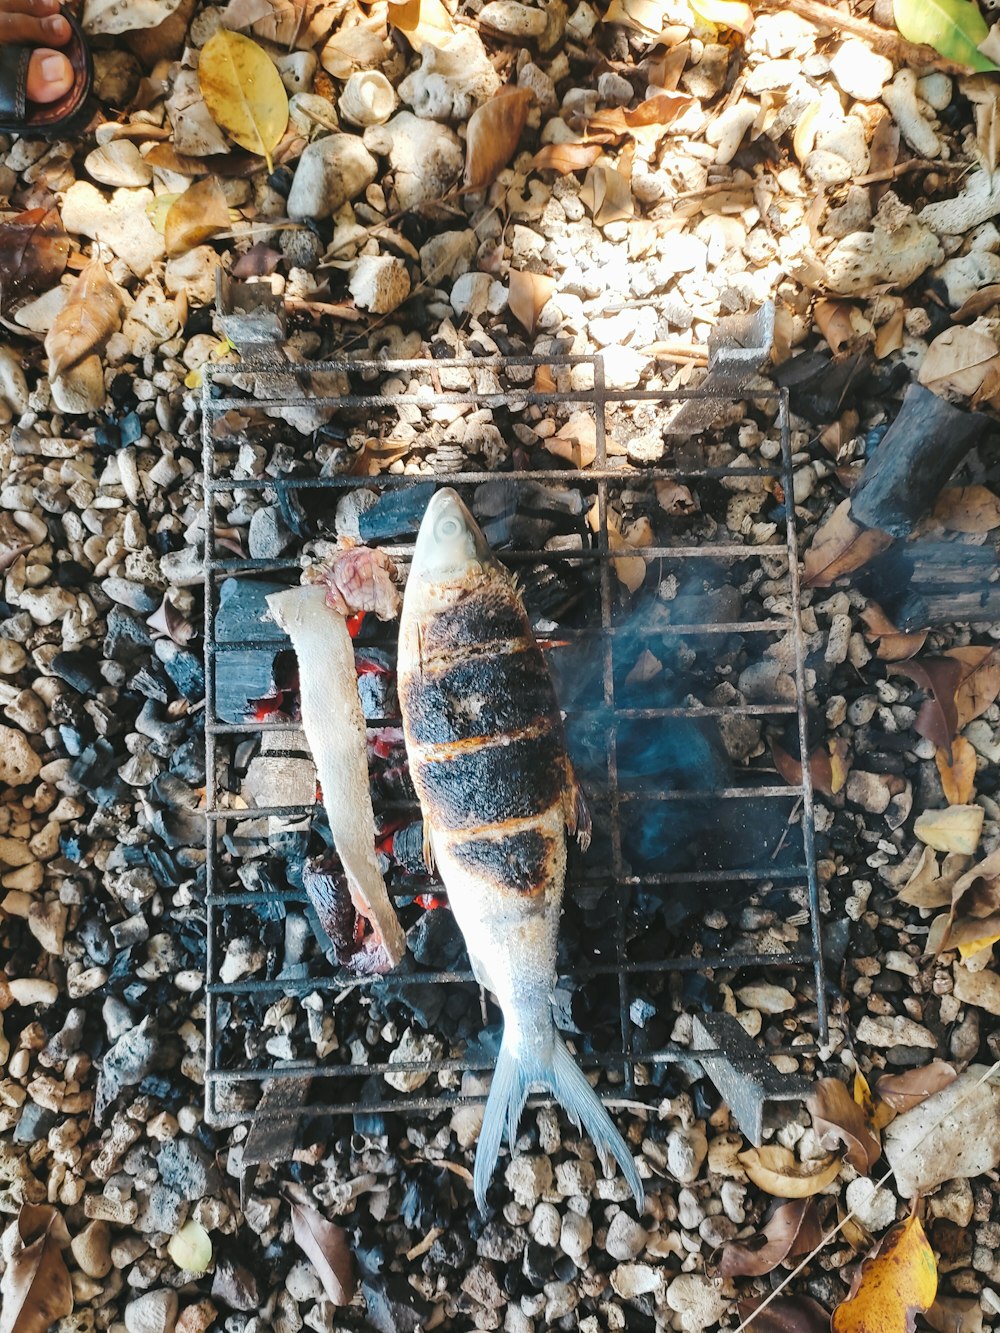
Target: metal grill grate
[640, 976]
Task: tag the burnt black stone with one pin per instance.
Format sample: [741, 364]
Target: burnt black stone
[34, 1123]
[436, 941]
[71, 574]
[108, 437]
[187, 673]
[123, 392]
[450, 1250]
[94, 763]
[78, 669]
[126, 636]
[393, 1305]
[537, 1264]
[151, 681]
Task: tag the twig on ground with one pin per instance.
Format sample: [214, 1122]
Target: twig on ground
[889, 43]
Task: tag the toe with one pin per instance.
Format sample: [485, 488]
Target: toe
[50, 75]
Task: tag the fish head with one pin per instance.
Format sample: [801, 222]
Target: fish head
[450, 547]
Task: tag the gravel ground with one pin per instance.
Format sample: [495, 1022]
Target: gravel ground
[751, 193]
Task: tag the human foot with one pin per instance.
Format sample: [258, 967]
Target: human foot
[38, 23]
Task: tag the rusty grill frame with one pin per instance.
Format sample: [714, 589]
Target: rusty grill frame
[600, 475]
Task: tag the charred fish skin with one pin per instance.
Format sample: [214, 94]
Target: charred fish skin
[487, 756]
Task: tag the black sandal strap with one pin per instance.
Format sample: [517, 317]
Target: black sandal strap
[13, 81]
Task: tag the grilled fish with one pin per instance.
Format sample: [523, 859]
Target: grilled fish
[487, 756]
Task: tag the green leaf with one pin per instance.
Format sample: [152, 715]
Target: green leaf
[955, 29]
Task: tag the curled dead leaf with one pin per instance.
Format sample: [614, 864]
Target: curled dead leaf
[789, 1229]
[529, 293]
[841, 546]
[199, 213]
[425, 22]
[828, 766]
[655, 112]
[931, 886]
[778, 1171]
[93, 311]
[629, 570]
[566, 157]
[968, 509]
[893, 644]
[838, 1119]
[838, 322]
[575, 440]
[962, 362]
[958, 777]
[492, 135]
[785, 1314]
[903, 1091]
[895, 1283]
[325, 1246]
[956, 829]
[974, 920]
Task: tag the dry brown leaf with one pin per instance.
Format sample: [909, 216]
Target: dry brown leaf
[778, 1171]
[983, 93]
[978, 303]
[959, 776]
[544, 380]
[93, 311]
[35, 1287]
[645, 16]
[904, 1091]
[725, 14]
[968, 509]
[955, 1314]
[425, 22]
[492, 136]
[895, 1283]
[789, 1229]
[784, 1314]
[325, 1246]
[607, 194]
[893, 644]
[938, 716]
[838, 1119]
[529, 294]
[931, 885]
[841, 546]
[575, 440]
[955, 829]
[566, 157]
[836, 320]
[889, 336]
[33, 253]
[979, 684]
[962, 363]
[654, 113]
[199, 213]
[259, 261]
[293, 24]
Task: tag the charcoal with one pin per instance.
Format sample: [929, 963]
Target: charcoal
[436, 941]
[94, 763]
[243, 613]
[128, 1061]
[408, 848]
[187, 1168]
[396, 513]
[78, 669]
[495, 498]
[183, 668]
[151, 681]
[242, 676]
[392, 1304]
[518, 531]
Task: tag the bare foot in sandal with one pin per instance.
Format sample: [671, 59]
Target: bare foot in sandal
[38, 23]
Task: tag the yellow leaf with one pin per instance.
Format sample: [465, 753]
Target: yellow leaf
[425, 22]
[243, 92]
[200, 212]
[158, 208]
[863, 1095]
[895, 1283]
[194, 379]
[725, 13]
[777, 1171]
[840, 764]
[956, 829]
[191, 1248]
[972, 947]
[957, 778]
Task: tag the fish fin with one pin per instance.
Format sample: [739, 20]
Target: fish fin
[428, 849]
[578, 819]
[559, 1072]
[508, 1094]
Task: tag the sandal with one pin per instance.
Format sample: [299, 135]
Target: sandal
[49, 120]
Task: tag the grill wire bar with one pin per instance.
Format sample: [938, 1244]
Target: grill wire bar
[233, 1084]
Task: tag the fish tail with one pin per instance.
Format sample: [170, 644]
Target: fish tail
[560, 1073]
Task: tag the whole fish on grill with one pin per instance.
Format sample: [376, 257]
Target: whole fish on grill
[487, 756]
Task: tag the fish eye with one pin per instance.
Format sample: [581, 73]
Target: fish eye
[449, 527]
